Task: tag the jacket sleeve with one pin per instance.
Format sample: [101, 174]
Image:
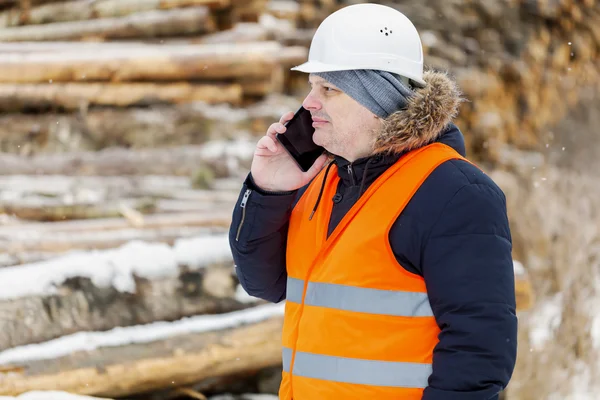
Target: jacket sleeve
[467, 267]
[258, 239]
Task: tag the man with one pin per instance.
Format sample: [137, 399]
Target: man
[394, 258]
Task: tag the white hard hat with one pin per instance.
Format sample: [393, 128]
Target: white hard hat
[367, 36]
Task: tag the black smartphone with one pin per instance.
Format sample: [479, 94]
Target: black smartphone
[297, 140]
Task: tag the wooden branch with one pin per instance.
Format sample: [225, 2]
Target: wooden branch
[73, 96]
[144, 24]
[80, 305]
[150, 62]
[137, 368]
[81, 10]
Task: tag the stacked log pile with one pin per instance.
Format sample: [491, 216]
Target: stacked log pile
[519, 62]
[67, 311]
[81, 62]
[126, 126]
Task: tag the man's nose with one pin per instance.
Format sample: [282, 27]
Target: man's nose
[311, 103]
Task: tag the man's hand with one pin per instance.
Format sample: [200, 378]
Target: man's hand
[273, 169]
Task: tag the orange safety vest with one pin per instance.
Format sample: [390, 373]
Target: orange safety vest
[357, 325]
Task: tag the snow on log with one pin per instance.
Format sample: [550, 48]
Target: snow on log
[136, 283]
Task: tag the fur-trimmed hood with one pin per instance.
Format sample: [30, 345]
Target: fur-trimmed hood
[428, 112]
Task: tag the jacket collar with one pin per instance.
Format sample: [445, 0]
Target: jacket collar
[353, 173]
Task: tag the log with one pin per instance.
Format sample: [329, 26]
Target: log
[20, 3]
[284, 9]
[81, 10]
[53, 210]
[53, 394]
[150, 62]
[241, 11]
[28, 242]
[146, 24]
[180, 161]
[25, 4]
[153, 126]
[523, 288]
[80, 305]
[248, 10]
[240, 33]
[140, 368]
[9, 260]
[106, 188]
[69, 47]
[25, 232]
[47, 245]
[73, 96]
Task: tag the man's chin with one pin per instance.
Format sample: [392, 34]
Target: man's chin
[316, 138]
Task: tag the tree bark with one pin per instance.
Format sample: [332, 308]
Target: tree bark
[82, 10]
[145, 24]
[80, 305]
[73, 96]
[138, 368]
[149, 62]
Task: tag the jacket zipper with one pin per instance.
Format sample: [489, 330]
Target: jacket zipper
[351, 173]
[243, 206]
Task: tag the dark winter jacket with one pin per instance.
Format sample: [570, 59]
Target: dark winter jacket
[454, 232]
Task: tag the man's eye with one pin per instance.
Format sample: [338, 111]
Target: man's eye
[328, 89]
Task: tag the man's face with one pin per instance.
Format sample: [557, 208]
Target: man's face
[342, 125]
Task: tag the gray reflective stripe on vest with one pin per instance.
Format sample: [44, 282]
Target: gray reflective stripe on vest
[352, 370]
[352, 298]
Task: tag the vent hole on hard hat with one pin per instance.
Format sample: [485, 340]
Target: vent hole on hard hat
[385, 31]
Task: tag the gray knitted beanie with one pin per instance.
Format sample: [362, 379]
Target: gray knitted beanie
[382, 92]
